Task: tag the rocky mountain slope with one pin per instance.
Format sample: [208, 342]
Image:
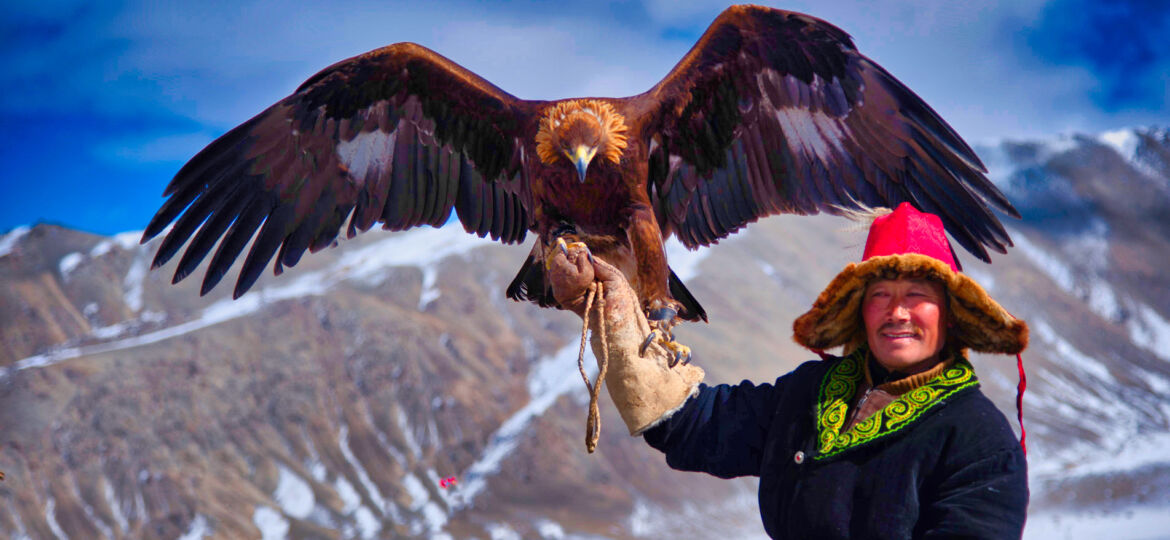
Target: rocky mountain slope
[334, 400]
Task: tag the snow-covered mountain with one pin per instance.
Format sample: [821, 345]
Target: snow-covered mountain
[337, 399]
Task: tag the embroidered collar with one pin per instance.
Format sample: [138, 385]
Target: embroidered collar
[840, 384]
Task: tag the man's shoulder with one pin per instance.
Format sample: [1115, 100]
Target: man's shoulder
[976, 419]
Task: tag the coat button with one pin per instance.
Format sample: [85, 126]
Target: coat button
[799, 457]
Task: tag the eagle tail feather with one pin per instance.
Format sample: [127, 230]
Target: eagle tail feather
[691, 310]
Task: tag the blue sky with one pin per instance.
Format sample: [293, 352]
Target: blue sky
[102, 103]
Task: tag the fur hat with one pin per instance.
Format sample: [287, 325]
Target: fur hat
[907, 243]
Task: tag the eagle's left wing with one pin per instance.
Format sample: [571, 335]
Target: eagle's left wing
[776, 112]
[399, 135]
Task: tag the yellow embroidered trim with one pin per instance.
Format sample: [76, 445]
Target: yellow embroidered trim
[840, 384]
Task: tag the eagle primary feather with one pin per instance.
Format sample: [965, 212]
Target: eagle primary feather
[770, 112]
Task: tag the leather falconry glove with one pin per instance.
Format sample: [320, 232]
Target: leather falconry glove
[645, 389]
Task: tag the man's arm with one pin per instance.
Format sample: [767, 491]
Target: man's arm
[721, 431]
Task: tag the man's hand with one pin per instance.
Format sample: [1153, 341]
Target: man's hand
[571, 274]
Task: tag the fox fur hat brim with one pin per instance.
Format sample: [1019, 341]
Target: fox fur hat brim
[977, 321]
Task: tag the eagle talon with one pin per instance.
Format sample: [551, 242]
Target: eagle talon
[650, 338]
[561, 243]
[660, 331]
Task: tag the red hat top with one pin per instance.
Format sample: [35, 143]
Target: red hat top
[906, 230]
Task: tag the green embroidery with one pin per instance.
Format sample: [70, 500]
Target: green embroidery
[840, 384]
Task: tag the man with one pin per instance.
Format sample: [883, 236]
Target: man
[893, 439]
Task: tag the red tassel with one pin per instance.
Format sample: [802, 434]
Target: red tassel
[1020, 401]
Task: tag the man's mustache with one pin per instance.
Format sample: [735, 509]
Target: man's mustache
[893, 328]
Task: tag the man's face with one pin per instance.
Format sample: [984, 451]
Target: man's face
[905, 323]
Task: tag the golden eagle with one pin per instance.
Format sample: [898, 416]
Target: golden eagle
[770, 112]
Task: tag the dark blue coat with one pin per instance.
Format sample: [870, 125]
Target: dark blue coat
[939, 462]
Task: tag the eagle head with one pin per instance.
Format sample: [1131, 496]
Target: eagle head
[578, 130]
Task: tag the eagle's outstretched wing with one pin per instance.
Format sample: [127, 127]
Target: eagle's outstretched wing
[398, 135]
[776, 112]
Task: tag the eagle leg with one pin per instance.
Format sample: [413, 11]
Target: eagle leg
[662, 321]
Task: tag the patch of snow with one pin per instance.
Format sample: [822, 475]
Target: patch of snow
[9, 240]
[1052, 267]
[417, 491]
[127, 241]
[272, 525]
[1124, 141]
[103, 247]
[422, 247]
[1069, 354]
[313, 462]
[198, 529]
[1103, 300]
[98, 522]
[363, 477]
[1131, 454]
[502, 531]
[51, 517]
[111, 331]
[507, 436]
[408, 432]
[367, 524]
[430, 292]
[349, 495]
[69, 263]
[1127, 144]
[1150, 331]
[1132, 523]
[293, 494]
[135, 280]
[115, 505]
[550, 530]
[435, 518]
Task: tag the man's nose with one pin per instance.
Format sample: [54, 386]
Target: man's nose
[899, 311]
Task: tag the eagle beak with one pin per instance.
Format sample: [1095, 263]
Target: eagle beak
[581, 157]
